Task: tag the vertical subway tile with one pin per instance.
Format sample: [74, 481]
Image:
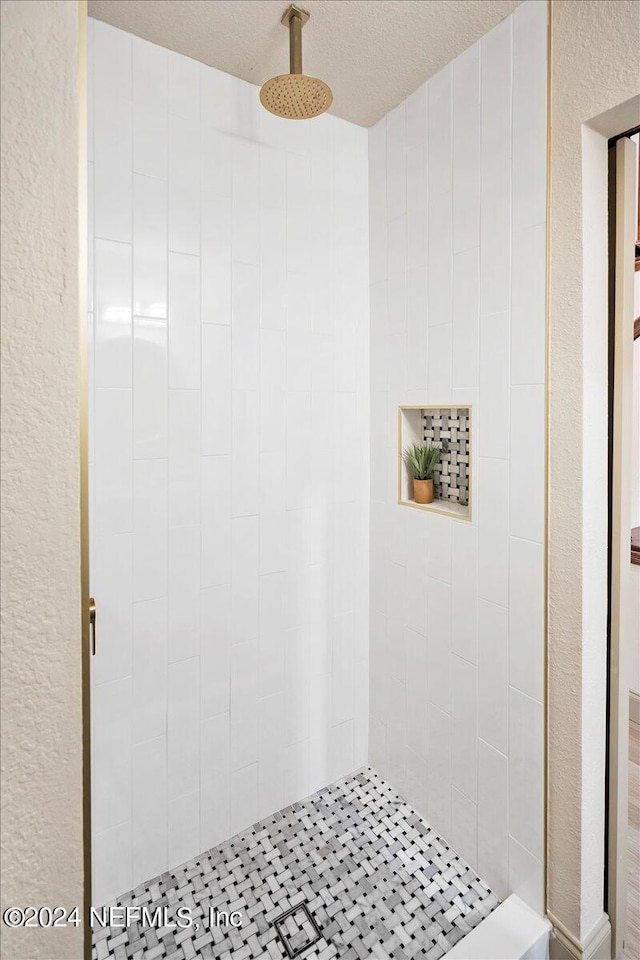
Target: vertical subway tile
[112, 753]
[245, 180]
[526, 876]
[378, 199]
[216, 227]
[529, 111]
[343, 668]
[215, 521]
[272, 418]
[466, 149]
[243, 719]
[112, 861]
[245, 326]
[464, 829]
[184, 457]
[493, 675]
[493, 818]
[296, 771]
[244, 579]
[439, 546]
[270, 755]
[466, 318]
[272, 512]
[417, 780]
[214, 780]
[111, 61]
[215, 650]
[150, 514]
[149, 247]
[215, 99]
[243, 798]
[396, 161]
[184, 321]
[417, 194]
[526, 771]
[150, 388]
[526, 617]
[182, 727]
[439, 758]
[397, 274]
[245, 473]
[216, 389]
[296, 685]
[495, 153]
[184, 827]
[298, 205]
[183, 75]
[298, 416]
[417, 330]
[527, 464]
[151, 141]
[464, 727]
[184, 185]
[417, 694]
[149, 809]
[493, 530]
[113, 461]
[272, 611]
[150, 658]
[465, 591]
[273, 276]
[439, 363]
[113, 167]
[149, 74]
[113, 314]
[528, 292]
[493, 428]
[341, 750]
[184, 592]
[439, 153]
[439, 644]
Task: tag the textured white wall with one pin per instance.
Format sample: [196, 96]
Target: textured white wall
[41, 669]
[595, 69]
[457, 212]
[229, 457]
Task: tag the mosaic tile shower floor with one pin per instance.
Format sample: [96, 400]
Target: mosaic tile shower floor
[351, 872]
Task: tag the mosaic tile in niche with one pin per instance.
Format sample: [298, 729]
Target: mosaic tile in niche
[450, 427]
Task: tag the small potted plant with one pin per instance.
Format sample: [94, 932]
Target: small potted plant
[421, 460]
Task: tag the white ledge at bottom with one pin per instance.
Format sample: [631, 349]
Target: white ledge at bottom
[512, 932]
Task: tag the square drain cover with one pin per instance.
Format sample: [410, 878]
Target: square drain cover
[297, 930]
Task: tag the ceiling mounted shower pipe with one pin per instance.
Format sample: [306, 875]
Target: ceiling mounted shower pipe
[294, 95]
[295, 18]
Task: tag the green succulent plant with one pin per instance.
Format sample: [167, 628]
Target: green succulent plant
[422, 459]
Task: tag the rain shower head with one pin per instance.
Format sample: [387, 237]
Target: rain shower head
[293, 95]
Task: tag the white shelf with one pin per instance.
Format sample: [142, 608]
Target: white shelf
[447, 507]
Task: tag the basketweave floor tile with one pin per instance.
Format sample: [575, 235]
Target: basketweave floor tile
[351, 872]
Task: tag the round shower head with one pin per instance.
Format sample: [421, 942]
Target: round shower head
[294, 95]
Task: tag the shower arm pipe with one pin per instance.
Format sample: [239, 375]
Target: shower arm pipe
[295, 18]
[295, 44]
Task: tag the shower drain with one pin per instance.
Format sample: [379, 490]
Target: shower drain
[297, 930]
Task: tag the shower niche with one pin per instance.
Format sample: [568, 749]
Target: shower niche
[448, 427]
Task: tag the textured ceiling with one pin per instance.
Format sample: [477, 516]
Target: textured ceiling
[372, 53]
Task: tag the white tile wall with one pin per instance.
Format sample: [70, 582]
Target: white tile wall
[456, 694]
[230, 405]
[229, 450]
